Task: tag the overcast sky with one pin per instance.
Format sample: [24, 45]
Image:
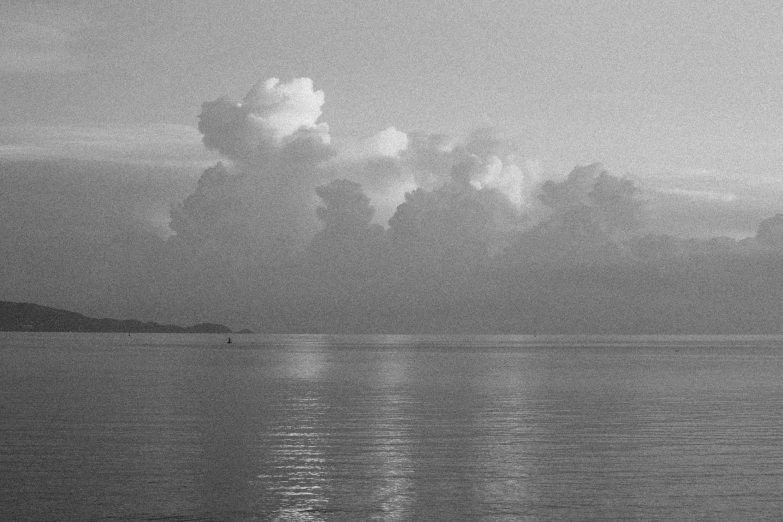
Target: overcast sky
[683, 98]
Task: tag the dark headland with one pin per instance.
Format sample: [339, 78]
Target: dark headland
[29, 317]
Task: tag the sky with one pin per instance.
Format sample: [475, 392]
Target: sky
[114, 110]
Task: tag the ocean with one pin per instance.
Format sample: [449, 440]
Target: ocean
[362, 428]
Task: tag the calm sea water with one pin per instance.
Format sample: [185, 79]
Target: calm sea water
[184, 427]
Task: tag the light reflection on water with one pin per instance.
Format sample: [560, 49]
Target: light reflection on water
[297, 476]
[390, 428]
[393, 489]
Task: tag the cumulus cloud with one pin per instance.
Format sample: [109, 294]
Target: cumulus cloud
[276, 146]
[387, 143]
[483, 159]
[592, 214]
[271, 115]
[375, 163]
[280, 153]
[613, 204]
[393, 232]
[283, 109]
[456, 221]
[346, 209]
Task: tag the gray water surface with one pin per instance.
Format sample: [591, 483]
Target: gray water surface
[185, 427]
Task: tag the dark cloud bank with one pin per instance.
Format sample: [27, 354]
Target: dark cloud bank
[399, 233]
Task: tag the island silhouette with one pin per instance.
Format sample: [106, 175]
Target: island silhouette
[29, 317]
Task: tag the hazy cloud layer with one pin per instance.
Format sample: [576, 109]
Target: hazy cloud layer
[162, 144]
[33, 48]
[394, 232]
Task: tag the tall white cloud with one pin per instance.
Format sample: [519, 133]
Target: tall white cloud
[271, 115]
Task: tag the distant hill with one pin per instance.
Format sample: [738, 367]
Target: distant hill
[28, 317]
